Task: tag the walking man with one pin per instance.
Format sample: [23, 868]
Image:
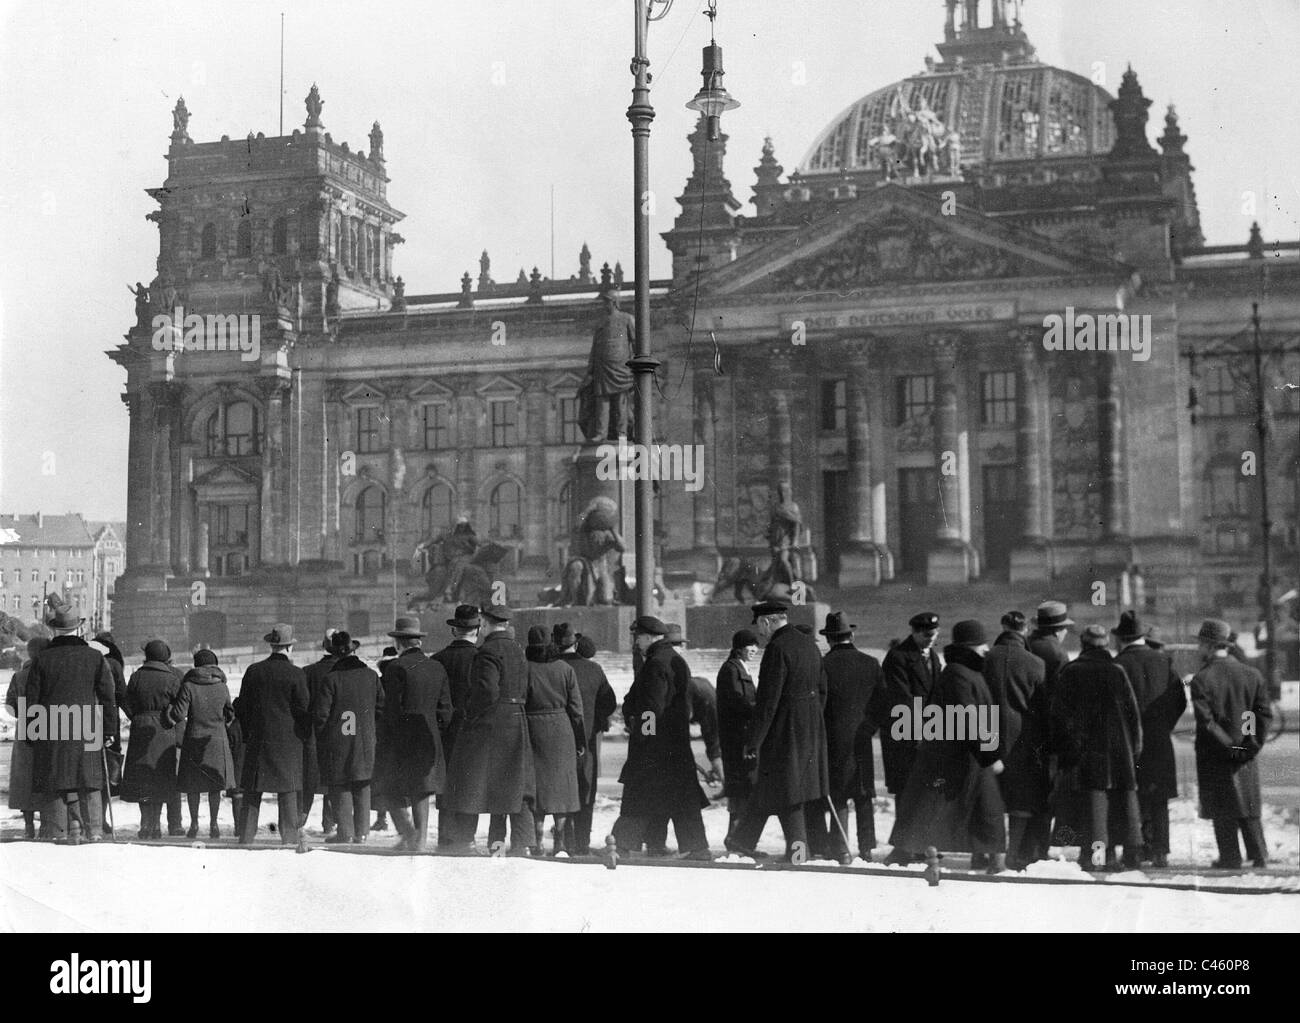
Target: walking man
[598, 703]
[911, 670]
[316, 673]
[457, 659]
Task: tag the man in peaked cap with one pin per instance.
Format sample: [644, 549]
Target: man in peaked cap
[1161, 702]
[911, 670]
[457, 657]
[1232, 710]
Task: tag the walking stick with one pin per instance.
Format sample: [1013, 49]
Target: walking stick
[108, 793]
[840, 826]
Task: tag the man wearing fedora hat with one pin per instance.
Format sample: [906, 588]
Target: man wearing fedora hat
[491, 768]
[69, 673]
[598, 703]
[1052, 624]
[1232, 710]
[659, 777]
[274, 716]
[457, 659]
[311, 783]
[345, 713]
[857, 705]
[788, 739]
[910, 669]
[1161, 702]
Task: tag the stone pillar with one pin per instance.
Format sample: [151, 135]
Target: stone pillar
[1031, 558]
[272, 523]
[780, 442]
[183, 505]
[860, 563]
[950, 561]
[466, 441]
[704, 500]
[534, 561]
[201, 544]
[1110, 452]
[160, 480]
[139, 405]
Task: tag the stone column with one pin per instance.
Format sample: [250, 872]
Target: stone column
[1110, 452]
[1031, 559]
[140, 411]
[534, 560]
[950, 560]
[704, 507]
[780, 442]
[201, 544]
[272, 524]
[466, 441]
[160, 481]
[859, 559]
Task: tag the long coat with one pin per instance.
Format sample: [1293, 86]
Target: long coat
[21, 796]
[149, 774]
[1224, 692]
[417, 713]
[856, 707]
[274, 719]
[659, 778]
[736, 696]
[457, 657]
[202, 710]
[344, 714]
[1161, 702]
[556, 733]
[68, 673]
[909, 673]
[1096, 724]
[704, 712]
[491, 767]
[789, 729]
[1015, 678]
[315, 673]
[1046, 647]
[598, 703]
[952, 800]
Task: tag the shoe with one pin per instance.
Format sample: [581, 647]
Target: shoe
[91, 838]
[359, 840]
[381, 824]
[845, 859]
[1259, 863]
[979, 861]
[337, 839]
[176, 831]
[1220, 865]
[193, 832]
[657, 853]
[333, 829]
[899, 858]
[1160, 861]
[29, 831]
[997, 864]
[214, 831]
[695, 856]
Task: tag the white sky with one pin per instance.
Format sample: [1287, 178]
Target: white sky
[485, 105]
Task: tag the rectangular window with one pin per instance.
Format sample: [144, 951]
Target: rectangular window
[230, 524]
[2, 577]
[998, 393]
[569, 430]
[915, 397]
[436, 435]
[1219, 395]
[834, 397]
[504, 430]
[52, 576]
[36, 575]
[368, 440]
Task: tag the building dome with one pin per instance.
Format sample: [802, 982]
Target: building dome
[1005, 105]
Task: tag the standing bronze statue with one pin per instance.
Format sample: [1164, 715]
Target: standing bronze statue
[603, 405]
[783, 538]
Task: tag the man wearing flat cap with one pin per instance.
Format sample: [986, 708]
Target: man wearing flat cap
[788, 735]
[1232, 710]
[457, 659]
[491, 768]
[274, 716]
[911, 669]
[1161, 702]
[659, 777]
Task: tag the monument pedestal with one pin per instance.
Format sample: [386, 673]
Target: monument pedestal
[711, 626]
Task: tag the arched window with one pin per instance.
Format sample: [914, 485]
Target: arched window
[280, 236]
[372, 505]
[244, 238]
[208, 242]
[435, 510]
[503, 510]
[232, 431]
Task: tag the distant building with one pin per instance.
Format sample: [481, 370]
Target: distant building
[41, 554]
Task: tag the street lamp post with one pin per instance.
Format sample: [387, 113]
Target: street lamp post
[1265, 595]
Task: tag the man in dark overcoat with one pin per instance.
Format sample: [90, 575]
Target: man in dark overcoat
[789, 734]
[68, 676]
[1097, 736]
[1161, 701]
[1015, 678]
[416, 715]
[736, 698]
[1052, 623]
[344, 713]
[857, 706]
[457, 658]
[274, 717]
[953, 802]
[659, 777]
[598, 703]
[153, 753]
[911, 669]
[491, 768]
[311, 783]
[1230, 701]
[113, 740]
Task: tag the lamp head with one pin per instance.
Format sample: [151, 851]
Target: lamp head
[713, 98]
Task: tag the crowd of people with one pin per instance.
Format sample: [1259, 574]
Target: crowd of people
[1080, 753]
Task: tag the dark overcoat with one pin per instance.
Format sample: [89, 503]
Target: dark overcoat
[704, 712]
[1227, 694]
[417, 713]
[598, 703]
[1047, 648]
[21, 796]
[952, 800]
[909, 673]
[1016, 680]
[1161, 701]
[274, 717]
[149, 774]
[202, 710]
[789, 730]
[457, 657]
[736, 696]
[344, 714]
[1098, 733]
[491, 768]
[856, 707]
[315, 672]
[556, 732]
[68, 673]
[659, 778]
